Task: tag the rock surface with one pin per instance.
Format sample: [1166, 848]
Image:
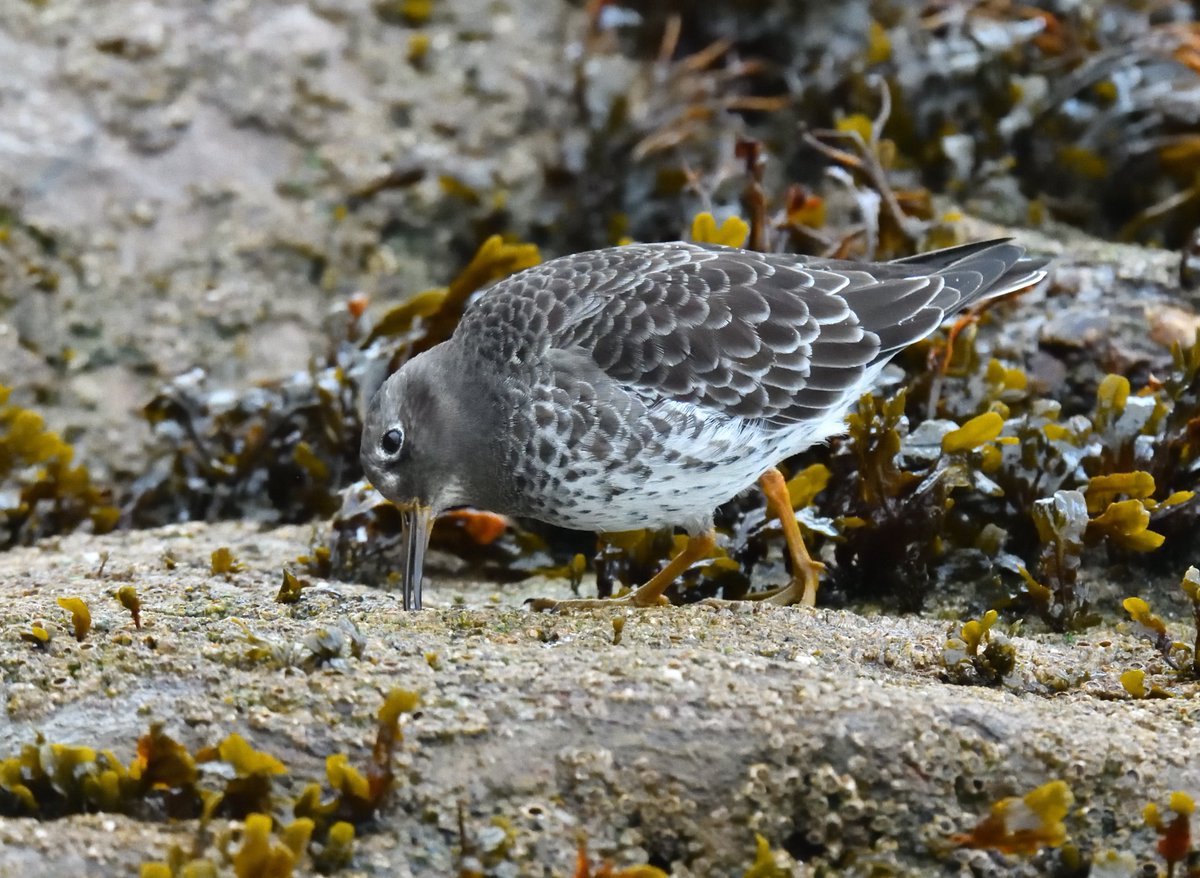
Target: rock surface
[192, 184]
[834, 735]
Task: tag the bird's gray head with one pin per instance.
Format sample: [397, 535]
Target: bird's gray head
[412, 450]
[414, 434]
[391, 440]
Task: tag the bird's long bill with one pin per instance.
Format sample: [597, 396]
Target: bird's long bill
[417, 522]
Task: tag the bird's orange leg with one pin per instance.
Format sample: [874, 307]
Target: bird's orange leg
[651, 593]
[805, 571]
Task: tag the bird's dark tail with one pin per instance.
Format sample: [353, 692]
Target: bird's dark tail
[984, 269]
[911, 297]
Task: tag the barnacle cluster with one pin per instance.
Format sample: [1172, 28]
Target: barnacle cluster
[977, 651]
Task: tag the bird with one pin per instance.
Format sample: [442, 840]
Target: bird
[643, 385]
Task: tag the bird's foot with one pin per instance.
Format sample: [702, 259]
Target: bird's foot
[631, 600]
[648, 595]
[806, 573]
[802, 590]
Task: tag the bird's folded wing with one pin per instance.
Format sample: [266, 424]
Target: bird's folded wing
[744, 334]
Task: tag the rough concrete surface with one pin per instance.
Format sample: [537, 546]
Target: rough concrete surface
[832, 734]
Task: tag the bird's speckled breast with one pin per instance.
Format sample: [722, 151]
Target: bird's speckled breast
[629, 463]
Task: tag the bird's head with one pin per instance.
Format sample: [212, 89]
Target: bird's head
[412, 446]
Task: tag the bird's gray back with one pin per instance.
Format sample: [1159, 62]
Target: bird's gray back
[773, 337]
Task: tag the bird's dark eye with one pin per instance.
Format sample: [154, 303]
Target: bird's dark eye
[391, 442]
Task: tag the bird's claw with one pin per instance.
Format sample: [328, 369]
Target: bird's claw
[550, 605]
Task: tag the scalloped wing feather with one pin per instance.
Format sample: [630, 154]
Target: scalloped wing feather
[769, 337]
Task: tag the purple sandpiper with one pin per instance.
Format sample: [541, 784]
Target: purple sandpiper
[645, 385]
